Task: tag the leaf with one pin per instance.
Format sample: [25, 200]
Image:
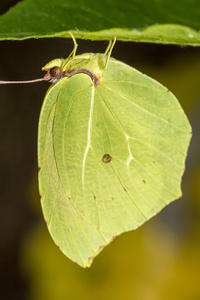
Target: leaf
[112, 148]
[163, 21]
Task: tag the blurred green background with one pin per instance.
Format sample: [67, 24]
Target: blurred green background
[160, 260]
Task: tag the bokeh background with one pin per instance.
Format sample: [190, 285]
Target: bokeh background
[160, 260]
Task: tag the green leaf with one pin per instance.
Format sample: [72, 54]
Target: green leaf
[112, 149]
[163, 21]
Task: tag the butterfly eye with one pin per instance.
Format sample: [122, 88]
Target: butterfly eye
[53, 74]
[55, 71]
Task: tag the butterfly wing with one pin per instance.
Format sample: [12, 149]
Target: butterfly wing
[111, 157]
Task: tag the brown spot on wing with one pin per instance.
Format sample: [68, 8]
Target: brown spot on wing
[106, 158]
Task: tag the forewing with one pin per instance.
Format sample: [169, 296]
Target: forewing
[147, 136]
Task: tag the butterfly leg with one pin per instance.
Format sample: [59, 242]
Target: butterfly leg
[73, 53]
[109, 50]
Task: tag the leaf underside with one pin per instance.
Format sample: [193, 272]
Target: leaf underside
[163, 21]
[137, 122]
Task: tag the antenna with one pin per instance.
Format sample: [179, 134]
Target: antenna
[23, 81]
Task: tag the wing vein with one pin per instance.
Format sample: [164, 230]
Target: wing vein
[143, 109]
[88, 136]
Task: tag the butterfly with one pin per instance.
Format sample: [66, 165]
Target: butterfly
[112, 146]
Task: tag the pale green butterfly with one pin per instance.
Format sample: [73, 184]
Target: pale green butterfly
[112, 148]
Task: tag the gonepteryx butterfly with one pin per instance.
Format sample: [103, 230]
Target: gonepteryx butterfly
[112, 149]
